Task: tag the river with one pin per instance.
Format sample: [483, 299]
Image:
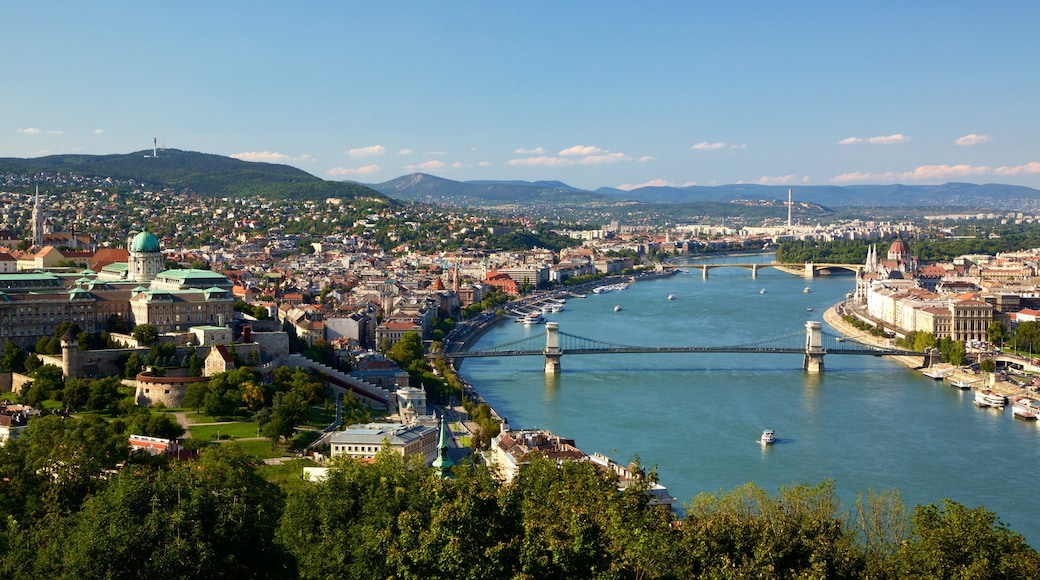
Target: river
[866, 423]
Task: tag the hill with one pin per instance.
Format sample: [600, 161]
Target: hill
[202, 173]
[437, 190]
[996, 196]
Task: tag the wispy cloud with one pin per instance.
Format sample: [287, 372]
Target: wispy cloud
[484, 164]
[651, 183]
[405, 152]
[542, 161]
[434, 165]
[581, 151]
[645, 159]
[603, 159]
[435, 153]
[98, 131]
[705, 146]
[1028, 168]
[29, 131]
[938, 173]
[367, 151]
[778, 180]
[883, 140]
[589, 155]
[972, 139]
[363, 170]
[535, 151]
[270, 157]
[56, 132]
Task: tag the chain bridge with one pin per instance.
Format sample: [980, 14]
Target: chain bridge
[813, 343]
[809, 269]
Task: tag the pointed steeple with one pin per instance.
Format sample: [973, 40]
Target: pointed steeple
[443, 463]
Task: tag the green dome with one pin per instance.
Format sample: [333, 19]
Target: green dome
[144, 242]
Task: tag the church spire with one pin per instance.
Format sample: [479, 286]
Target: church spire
[443, 463]
[37, 220]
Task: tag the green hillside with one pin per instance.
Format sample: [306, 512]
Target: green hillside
[202, 173]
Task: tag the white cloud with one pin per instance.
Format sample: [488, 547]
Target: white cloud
[603, 158]
[778, 180]
[265, 156]
[581, 151]
[645, 159]
[541, 162]
[427, 166]
[367, 151]
[484, 164]
[535, 151]
[705, 146]
[651, 183]
[271, 157]
[98, 131]
[405, 152]
[1033, 167]
[885, 140]
[972, 139]
[934, 173]
[364, 170]
[29, 131]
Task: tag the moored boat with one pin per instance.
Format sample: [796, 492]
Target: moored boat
[768, 437]
[1025, 408]
[988, 398]
[960, 384]
[936, 374]
[532, 319]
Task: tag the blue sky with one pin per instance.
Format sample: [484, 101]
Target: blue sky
[590, 93]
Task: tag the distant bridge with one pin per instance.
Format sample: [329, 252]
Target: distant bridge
[813, 344]
[809, 269]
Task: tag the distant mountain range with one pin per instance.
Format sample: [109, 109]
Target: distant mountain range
[202, 173]
[209, 174]
[427, 188]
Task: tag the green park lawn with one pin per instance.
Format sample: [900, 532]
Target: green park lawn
[288, 475]
[236, 430]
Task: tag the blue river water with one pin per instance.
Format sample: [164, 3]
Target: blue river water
[866, 423]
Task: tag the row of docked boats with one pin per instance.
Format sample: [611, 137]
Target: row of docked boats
[610, 288]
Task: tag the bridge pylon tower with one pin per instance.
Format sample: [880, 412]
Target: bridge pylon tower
[810, 270]
[813, 361]
[552, 350]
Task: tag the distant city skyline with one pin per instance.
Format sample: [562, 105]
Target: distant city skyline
[591, 94]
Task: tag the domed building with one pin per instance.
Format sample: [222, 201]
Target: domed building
[146, 259]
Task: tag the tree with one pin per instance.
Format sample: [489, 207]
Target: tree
[133, 366]
[104, 394]
[408, 351]
[76, 393]
[997, 333]
[116, 323]
[13, 358]
[146, 334]
[288, 410]
[950, 540]
[211, 518]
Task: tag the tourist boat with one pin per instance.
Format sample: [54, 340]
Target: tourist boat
[768, 437]
[988, 398]
[960, 384]
[671, 296]
[936, 374]
[808, 309]
[556, 308]
[1025, 408]
[532, 319]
